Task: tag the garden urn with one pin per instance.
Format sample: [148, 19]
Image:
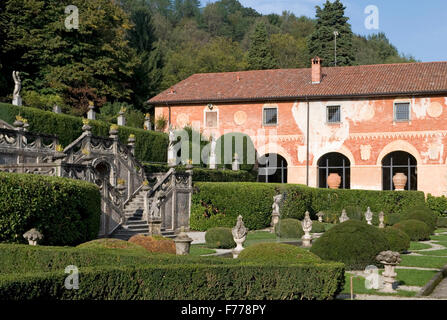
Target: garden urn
[334, 181]
[400, 180]
[389, 259]
[239, 234]
[33, 236]
[182, 243]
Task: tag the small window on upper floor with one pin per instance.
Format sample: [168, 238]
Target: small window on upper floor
[270, 117]
[333, 114]
[402, 111]
[211, 119]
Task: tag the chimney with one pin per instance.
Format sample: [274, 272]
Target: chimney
[316, 70]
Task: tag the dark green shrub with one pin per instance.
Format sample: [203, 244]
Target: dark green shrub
[318, 227]
[219, 238]
[415, 229]
[289, 229]
[437, 204]
[354, 243]
[149, 145]
[399, 241]
[65, 211]
[393, 218]
[442, 222]
[421, 213]
[277, 253]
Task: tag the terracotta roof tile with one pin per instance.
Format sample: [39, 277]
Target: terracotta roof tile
[283, 84]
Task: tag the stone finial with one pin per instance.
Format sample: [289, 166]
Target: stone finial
[91, 114]
[389, 259]
[33, 236]
[239, 234]
[381, 220]
[320, 216]
[369, 216]
[344, 216]
[121, 120]
[307, 228]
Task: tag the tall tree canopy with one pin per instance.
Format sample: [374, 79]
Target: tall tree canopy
[321, 42]
[260, 53]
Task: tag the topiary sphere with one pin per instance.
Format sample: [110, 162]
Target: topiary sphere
[399, 241]
[318, 227]
[289, 229]
[277, 253]
[353, 242]
[424, 214]
[220, 238]
[415, 229]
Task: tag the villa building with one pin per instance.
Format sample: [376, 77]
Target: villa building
[363, 123]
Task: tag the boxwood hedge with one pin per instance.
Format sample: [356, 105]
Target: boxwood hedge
[123, 275]
[219, 204]
[149, 145]
[65, 211]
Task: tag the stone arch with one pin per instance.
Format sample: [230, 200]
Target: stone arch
[274, 148]
[399, 145]
[343, 150]
[113, 169]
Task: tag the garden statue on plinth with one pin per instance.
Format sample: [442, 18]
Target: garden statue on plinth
[307, 228]
[389, 259]
[16, 99]
[171, 155]
[212, 161]
[320, 216]
[381, 220]
[33, 236]
[275, 212]
[344, 217]
[235, 164]
[154, 219]
[147, 122]
[369, 216]
[182, 243]
[239, 234]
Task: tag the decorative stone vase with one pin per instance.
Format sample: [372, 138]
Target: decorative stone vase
[33, 236]
[239, 234]
[400, 180]
[389, 259]
[182, 243]
[334, 181]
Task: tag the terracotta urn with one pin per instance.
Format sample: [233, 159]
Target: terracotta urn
[334, 181]
[400, 180]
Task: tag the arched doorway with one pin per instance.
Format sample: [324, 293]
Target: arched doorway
[399, 162]
[272, 168]
[102, 172]
[334, 163]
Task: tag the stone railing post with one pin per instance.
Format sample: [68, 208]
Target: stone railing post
[91, 114]
[18, 126]
[113, 134]
[121, 119]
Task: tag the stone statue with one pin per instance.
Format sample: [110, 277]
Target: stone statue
[172, 140]
[16, 99]
[344, 217]
[239, 234]
[307, 228]
[381, 220]
[369, 216]
[212, 162]
[275, 212]
[389, 259]
[33, 236]
[320, 216]
[155, 205]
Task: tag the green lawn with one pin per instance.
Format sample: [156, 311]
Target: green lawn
[419, 246]
[358, 284]
[433, 253]
[439, 238]
[264, 236]
[440, 230]
[416, 278]
[199, 249]
[423, 261]
[442, 243]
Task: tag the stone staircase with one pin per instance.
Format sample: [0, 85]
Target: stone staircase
[135, 224]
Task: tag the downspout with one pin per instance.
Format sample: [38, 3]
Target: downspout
[307, 143]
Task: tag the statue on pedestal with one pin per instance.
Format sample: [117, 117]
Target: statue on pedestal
[16, 99]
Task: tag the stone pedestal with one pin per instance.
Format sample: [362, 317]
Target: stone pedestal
[171, 157]
[389, 278]
[235, 164]
[239, 247]
[17, 101]
[182, 243]
[154, 227]
[320, 216]
[306, 241]
[91, 114]
[212, 163]
[121, 119]
[147, 122]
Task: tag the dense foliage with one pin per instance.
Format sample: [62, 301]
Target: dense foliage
[277, 253]
[289, 229]
[437, 204]
[219, 204]
[354, 243]
[130, 50]
[65, 211]
[415, 229]
[399, 241]
[122, 274]
[220, 238]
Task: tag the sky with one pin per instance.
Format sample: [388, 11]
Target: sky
[417, 28]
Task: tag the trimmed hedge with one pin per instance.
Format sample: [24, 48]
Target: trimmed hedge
[424, 214]
[277, 253]
[437, 204]
[219, 204]
[442, 222]
[158, 276]
[399, 241]
[149, 145]
[289, 229]
[415, 229]
[65, 211]
[318, 227]
[354, 243]
[221, 238]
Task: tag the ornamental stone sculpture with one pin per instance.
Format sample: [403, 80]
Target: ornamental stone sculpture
[307, 228]
[212, 161]
[320, 216]
[182, 243]
[235, 164]
[16, 99]
[275, 212]
[344, 217]
[239, 234]
[171, 156]
[33, 236]
[369, 216]
[389, 259]
[381, 220]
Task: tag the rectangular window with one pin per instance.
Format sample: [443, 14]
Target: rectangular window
[333, 114]
[211, 119]
[270, 116]
[402, 111]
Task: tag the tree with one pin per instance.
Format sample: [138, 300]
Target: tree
[321, 42]
[289, 52]
[260, 55]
